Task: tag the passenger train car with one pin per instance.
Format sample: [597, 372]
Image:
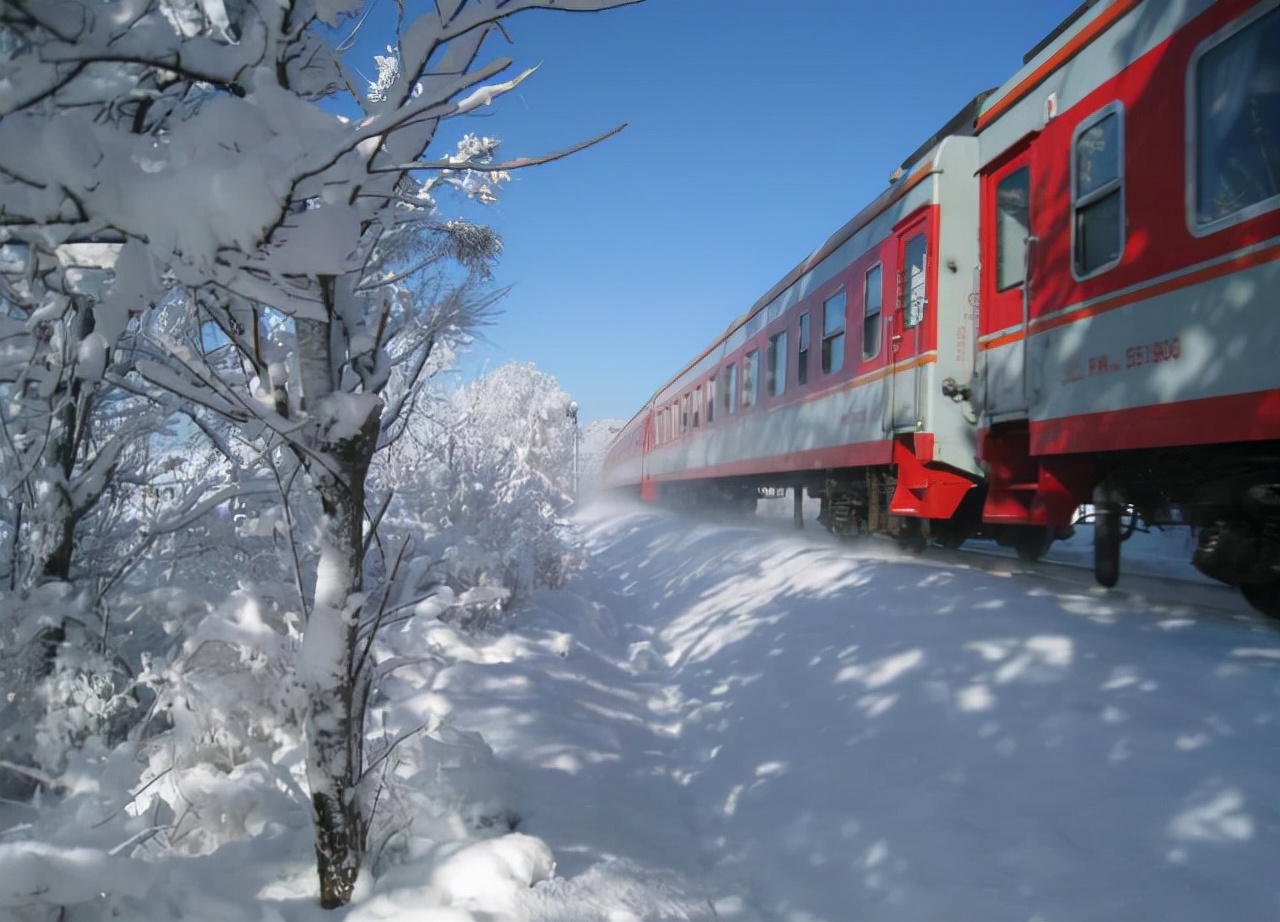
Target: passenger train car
[1070, 296]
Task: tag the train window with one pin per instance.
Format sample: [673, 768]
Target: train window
[1013, 227]
[697, 405]
[776, 364]
[750, 368]
[802, 351]
[731, 388]
[915, 293]
[1097, 191]
[1235, 124]
[833, 333]
[711, 400]
[684, 413]
[873, 298]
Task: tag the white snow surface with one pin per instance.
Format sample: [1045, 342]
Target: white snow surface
[733, 722]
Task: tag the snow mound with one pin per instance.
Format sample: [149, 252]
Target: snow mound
[37, 872]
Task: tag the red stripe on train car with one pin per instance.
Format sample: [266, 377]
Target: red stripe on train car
[1251, 417]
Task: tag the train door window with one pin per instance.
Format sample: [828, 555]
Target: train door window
[915, 291]
[873, 299]
[1097, 191]
[1235, 124]
[776, 364]
[1013, 227]
[833, 333]
[711, 400]
[731, 388]
[802, 351]
[750, 371]
[697, 405]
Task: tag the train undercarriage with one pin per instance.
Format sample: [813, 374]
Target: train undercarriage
[858, 502]
[852, 506]
[1231, 498]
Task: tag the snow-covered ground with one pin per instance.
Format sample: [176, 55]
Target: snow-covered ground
[725, 721]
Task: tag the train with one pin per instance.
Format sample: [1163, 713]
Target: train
[1068, 298]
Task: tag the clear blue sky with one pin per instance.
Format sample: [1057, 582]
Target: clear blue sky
[756, 129]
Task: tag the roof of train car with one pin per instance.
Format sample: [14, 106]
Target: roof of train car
[922, 163]
[1071, 36]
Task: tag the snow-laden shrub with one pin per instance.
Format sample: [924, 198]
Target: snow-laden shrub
[481, 483]
[228, 708]
[52, 695]
[86, 696]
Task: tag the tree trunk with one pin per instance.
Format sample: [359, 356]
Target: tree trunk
[335, 722]
[56, 521]
[334, 737]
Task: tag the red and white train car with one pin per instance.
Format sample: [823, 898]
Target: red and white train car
[832, 381]
[1073, 296]
[1129, 322]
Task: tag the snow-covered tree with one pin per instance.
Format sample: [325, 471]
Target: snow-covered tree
[188, 133]
[485, 476]
[597, 436]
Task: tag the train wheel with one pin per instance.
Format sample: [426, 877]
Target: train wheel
[1033, 542]
[911, 537]
[1108, 532]
[1264, 597]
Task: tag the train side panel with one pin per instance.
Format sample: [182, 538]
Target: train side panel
[1131, 246]
[900, 279]
[1169, 340]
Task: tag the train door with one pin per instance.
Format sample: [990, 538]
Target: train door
[911, 308]
[1008, 247]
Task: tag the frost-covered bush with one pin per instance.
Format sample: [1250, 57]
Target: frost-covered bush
[482, 481]
[227, 706]
[87, 696]
[50, 702]
[53, 695]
